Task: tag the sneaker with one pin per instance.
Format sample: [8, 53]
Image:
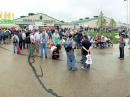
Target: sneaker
[83, 68]
[118, 57]
[69, 68]
[88, 66]
[121, 58]
[74, 69]
[81, 60]
[41, 57]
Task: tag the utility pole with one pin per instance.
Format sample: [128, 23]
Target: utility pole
[127, 13]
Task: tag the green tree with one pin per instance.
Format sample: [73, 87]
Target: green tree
[80, 19]
[101, 22]
[62, 21]
[112, 24]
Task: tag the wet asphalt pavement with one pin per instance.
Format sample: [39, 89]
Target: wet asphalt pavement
[108, 76]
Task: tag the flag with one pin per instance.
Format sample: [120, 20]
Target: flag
[1, 15]
[9, 15]
[12, 16]
[5, 15]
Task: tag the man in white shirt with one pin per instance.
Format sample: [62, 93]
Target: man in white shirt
[32, 39]
[23, 38]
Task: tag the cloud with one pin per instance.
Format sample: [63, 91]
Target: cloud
[67, 10]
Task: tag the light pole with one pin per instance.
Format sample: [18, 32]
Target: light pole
[128, 13]
[128, 16]
[127, 10]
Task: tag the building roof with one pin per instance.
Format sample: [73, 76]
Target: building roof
[36, 18]
[88, 20]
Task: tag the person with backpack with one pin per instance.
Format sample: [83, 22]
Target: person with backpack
[69, 48]
[121, 47]
[15, 41]
[43, 42]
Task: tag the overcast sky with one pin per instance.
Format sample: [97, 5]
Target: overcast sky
[67, 10]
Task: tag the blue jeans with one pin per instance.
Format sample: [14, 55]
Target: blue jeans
[121, 52]
[15, 47]
[43, 46]
[71, 62]
[78, 45]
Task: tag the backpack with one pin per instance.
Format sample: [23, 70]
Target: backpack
[122, 43]
[27, 40]
[15, 39]
[6, 34]
[67, 46]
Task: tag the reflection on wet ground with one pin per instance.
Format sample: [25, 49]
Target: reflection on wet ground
[108, 76]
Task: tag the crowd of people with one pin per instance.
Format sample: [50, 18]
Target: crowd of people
[39, 40]
[102, 41]
[5, 35]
